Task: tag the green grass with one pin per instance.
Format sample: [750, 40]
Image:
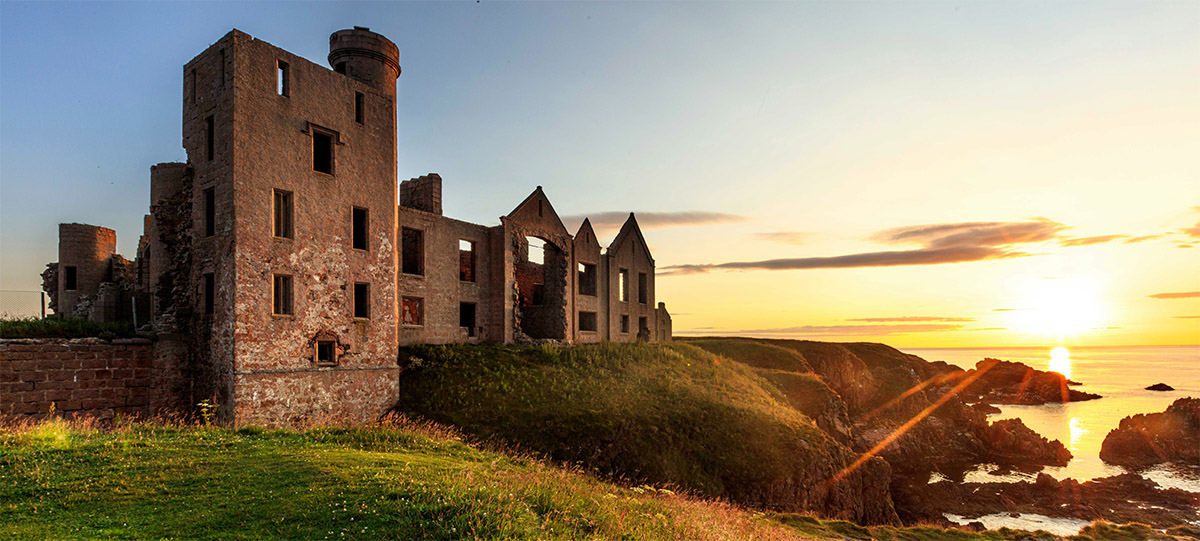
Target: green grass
[672, 415]
[754, 353]
[51, 327]
[59, 480]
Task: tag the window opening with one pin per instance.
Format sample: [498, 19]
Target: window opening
[359, 112]
[210, 212]
[361, 228]
[283, 214]
[624, 324]
[211, 129]
[535, 251]
[210, 294]
[623, 284]
[413, 252]
[643, 290]
[466, 260]
[71, 278]
[587, 279]
[283, 84]
[362, 300]
[587, 321]
[412, 311]
[326, 352]
[282, 296]
[466, 317]
[322, 152]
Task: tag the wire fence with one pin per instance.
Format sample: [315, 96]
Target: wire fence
[22, 304]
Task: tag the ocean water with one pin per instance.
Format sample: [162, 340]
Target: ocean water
[1120, 375]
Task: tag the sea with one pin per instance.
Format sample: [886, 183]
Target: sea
[1120, 375]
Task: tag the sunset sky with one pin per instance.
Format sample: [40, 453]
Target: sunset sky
[920, 174]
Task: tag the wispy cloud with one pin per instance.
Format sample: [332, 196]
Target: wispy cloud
[854, 330]
[1186, 317]
[654, 220]
[1178, 295]
[942, 244]
[1142, 238]
[911, 319]
[1088, 241]
[1010, 309]
[785, 237]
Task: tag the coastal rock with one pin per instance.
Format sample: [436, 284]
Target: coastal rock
[1147, 439]
[1119, 499]
[1160, 387]
[1014, 443]
[1006, 382]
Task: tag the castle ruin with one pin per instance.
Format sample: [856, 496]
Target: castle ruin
[289, 266]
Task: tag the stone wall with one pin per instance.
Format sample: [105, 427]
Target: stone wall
[86, 377]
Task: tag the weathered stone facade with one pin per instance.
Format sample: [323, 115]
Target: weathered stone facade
[283, 258]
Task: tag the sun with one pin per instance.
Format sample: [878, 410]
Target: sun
[1060, 307]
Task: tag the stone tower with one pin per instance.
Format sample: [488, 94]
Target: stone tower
[293, 226]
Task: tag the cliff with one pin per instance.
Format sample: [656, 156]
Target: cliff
[670, 415]
[1147, 439]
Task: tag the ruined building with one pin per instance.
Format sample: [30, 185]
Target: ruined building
[288, 264]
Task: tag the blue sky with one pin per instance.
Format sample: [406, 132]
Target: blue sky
[827, 121]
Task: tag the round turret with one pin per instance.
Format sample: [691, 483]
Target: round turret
[83, 262]
[366, 56]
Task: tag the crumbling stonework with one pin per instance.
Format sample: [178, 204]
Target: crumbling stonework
[282, 266]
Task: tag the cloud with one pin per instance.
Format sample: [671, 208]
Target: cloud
[1193, 231]
[1131, 240]
[1087, 241]
[1186, 317]
[655, 220]
[785, 237]
[854, 330]
[1183, 246]
[942, 244]
[974, 233]
[1010, 309]
[1179, 295]
[911, 319]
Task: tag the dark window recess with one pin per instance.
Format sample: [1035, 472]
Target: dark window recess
[466, 261]
[587, 321]
[282, 296]
[326, 352]
[210, 212]
[283, 214]
[624, 324]
[322, 152]
[466, 317]
[412, 246]
[340, 68]
[361, 228]
[362, 300]
[359, 113]
[623, 286]
[643, 291]
[210, 126]
[587, 279]
[539, 208]
[283, 83]
[643, 329]
[70, 276]
[412, 311]
[210, 293]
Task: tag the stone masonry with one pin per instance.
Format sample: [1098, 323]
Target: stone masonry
[285, 266]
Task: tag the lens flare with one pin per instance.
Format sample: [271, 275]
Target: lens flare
[1060, 361]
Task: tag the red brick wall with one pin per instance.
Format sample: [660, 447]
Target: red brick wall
[80, 377]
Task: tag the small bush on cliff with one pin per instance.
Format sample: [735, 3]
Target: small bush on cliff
[667, 414]
[51, 327]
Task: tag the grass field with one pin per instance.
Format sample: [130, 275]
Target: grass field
[395, 480]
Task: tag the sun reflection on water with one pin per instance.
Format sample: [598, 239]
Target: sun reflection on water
[1077, 432]
[1060, 361]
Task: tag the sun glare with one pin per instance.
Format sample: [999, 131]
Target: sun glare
[1060, 361]
[1060, 307]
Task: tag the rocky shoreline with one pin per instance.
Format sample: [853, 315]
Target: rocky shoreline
[1148, 439]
